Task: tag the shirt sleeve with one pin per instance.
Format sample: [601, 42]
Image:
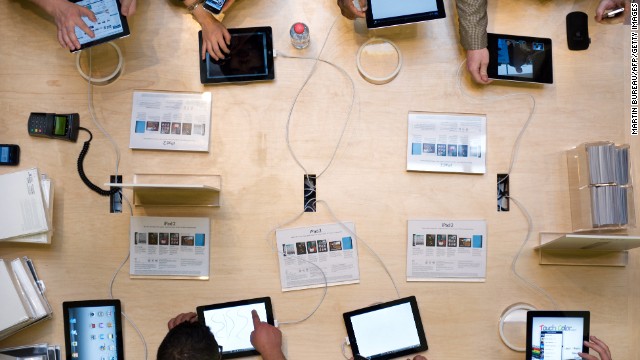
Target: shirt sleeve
[472, 17]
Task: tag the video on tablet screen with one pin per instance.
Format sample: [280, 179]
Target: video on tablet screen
[232, 326]
[109, 22]
[521, 58]
[400, 332]
[556, 338]
[383, 9]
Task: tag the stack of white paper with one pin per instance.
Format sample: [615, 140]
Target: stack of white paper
[22, 300]
[27, 207]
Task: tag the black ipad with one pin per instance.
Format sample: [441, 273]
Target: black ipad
[381, 13]
[111, 23]
[387, 330]
[93, 330]
[250, 58]
[556, 335]
[520, 58]
[231, 324]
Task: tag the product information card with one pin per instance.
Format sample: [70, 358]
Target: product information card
[170, 121]
[447, 250]
[447, 142]
[174, 247]
[304, 251]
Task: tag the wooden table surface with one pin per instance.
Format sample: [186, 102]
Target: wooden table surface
[367, 183]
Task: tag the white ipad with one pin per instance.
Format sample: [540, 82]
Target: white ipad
[556, 335]
[231, 324]
[111, 23]
[382, 13]
[387, 330]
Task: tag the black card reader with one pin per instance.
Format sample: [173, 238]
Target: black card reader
[54, 126]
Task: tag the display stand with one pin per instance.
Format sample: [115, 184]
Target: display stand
[174, 189]
[585, 249]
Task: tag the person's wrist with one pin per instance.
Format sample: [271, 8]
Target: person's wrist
[193, 5]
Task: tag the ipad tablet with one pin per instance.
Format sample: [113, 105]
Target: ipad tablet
[250, 58]
[111, 23]
[231, 324]
[520, 58]
[387, 330]
[556, 335]
[381, 13]
[93, 330]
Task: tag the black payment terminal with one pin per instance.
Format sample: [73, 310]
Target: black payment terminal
[55, 126]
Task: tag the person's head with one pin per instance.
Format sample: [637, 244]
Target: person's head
[189, 341]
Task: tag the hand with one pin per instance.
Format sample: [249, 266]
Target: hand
[267, 339]
[349, 10]
[599, 346]
[184, 317]
[215, 37]
[477, 62]
[67, 16]
[128, 7]
[608, 5]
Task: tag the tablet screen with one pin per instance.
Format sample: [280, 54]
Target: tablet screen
[231, 324]
[250, 58]
[93, 330]
[520, 58]
[556, 335]
[382, 13]
[110, 25]
[387, 330]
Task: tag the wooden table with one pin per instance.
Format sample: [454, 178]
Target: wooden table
[367, 182]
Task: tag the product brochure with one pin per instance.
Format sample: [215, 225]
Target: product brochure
[170, 121]
[173, 247]
[447, 250]
[304, 251]
[440, 142]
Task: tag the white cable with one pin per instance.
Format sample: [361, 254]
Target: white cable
[515, 259]
[360, 239]
[95, 121]
[516, 144]
[117, 151]
[344, 350]
[295, 100]
[107, 79]
[514, 154]
[373, 79]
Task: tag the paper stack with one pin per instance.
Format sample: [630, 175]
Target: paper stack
[31, 352]
[26, 207]
[22, 300]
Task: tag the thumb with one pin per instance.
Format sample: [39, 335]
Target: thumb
[88, 13]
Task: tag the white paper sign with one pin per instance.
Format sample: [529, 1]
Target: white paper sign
[170, 121]
[446, 142]
[169, 247]
[330, 247]
[447, 250]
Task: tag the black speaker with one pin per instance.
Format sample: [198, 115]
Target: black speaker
[578, 31]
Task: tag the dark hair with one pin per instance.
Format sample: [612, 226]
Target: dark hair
[189, 341]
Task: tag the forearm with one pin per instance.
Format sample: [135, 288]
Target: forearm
[472, 18]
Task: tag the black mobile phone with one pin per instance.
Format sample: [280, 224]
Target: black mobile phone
[55, 126]
[214, 6]
[9, 154]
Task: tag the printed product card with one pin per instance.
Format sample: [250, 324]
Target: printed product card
[169, 247]
[170, 121]
[447, 142]
[302, 252]
[447, 250]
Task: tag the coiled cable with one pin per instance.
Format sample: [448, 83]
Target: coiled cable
[83, 176]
